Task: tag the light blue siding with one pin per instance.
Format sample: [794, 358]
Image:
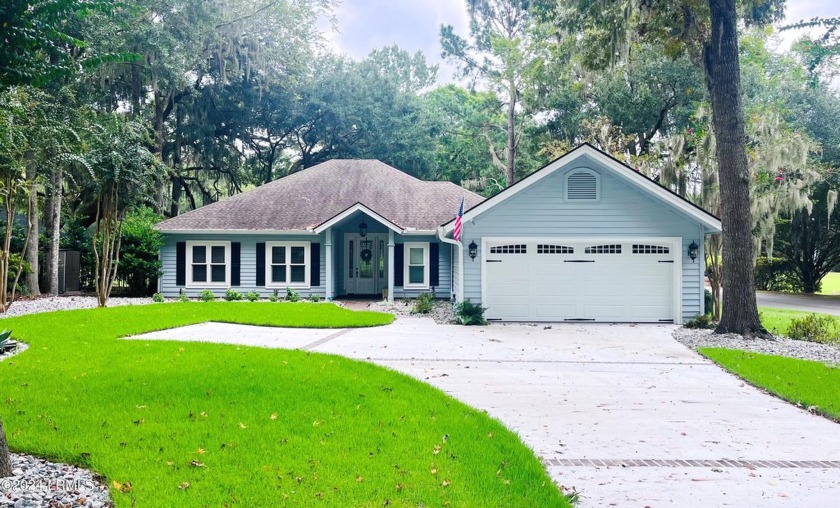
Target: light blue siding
[622, 211]
[442, 290]
[248, 262]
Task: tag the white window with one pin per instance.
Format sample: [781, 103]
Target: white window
[416, 273]
[287, 264]
[208, 264]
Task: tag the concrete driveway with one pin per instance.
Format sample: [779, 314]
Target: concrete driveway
[622, 413]
[807, 303]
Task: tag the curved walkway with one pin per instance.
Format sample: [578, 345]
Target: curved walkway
[624, 414]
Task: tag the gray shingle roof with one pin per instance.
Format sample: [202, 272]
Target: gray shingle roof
[306, 199]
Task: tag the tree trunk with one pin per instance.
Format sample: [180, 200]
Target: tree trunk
[510, 163]
[5, 460]
[722, 69]
[55, 227]
[31, 254]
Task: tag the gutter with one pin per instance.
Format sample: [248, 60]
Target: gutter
[459, 291]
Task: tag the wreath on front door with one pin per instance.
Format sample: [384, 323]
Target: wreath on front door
[366, 255]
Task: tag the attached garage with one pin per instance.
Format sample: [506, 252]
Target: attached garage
[586, 238]
[573, 279]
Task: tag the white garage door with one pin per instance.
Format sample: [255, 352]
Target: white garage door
[557, 279]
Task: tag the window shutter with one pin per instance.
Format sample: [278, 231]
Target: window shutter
[434, 264]
[261, 264]
[181, 264]
[235, 263]
[315, 264]
[399, 250]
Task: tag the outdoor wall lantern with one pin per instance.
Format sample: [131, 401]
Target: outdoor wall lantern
[363, 228]
[473, 250]
[692, 251]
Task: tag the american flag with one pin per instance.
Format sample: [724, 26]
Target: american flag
[456, 234]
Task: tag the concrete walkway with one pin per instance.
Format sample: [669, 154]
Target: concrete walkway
[807, 303]
[622, 413]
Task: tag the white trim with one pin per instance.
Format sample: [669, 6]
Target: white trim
[407, 264]
[358, 207]
[237, 232]
[675, 241]
[307, 265]
[459, 290]
[390, 263]
[712, 224]
[208, 244]
[328, 259]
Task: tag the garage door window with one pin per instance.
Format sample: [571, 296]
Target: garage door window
[650, 249]
[417, 265]
[509, 249]
[603, 249]
[554, 249]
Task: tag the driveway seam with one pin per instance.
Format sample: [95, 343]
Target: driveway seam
[693, 463]
[488, 360]
[325, 339]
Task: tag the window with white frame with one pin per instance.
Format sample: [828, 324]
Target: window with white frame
[208, 264]
[287, 264]
[416, 265]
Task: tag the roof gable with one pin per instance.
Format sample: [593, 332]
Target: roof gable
[613, 168]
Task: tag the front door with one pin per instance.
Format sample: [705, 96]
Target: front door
[364, 263]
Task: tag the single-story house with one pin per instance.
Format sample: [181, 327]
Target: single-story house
[586, 238]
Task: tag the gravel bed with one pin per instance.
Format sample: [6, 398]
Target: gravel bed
[780, 346]
[37, 483]
[442, 310]
[51, 303]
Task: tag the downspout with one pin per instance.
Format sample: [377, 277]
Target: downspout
[459, 291]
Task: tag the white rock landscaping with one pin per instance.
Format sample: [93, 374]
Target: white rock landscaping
[37, 483]
[781, 346]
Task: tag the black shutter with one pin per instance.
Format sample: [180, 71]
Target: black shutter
[181, 264]
[235, 263]
[315, 264]
[399, 251]
[261, 264]
[434, 264]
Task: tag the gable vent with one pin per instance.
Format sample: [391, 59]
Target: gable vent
[582, 186]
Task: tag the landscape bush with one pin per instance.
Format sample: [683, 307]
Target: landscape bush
[470, 314]
[206, 296]
[423, 304]
[704, 321]
[815, 328]
[158, 298]
[252, 296]
[292, 295]
[233, 295]
[776, 274]
[315, 298]
[140, 265]
[182, 297]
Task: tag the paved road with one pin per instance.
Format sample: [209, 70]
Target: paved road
[815, 303]
[624, 414]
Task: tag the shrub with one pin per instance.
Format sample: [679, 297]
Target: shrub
[708, 301]
[470, 314]
[273, 298]
[158, 298]
[815, 328]
[776, 274]
[206, 296]
[182, 297]
[6, 342]
[141, 243]
[292, 295]
[315, 298]
[252, 296]
[232, 295]
[705, 321]
[423, 304]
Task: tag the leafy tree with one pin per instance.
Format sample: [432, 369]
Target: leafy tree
[141, 244]
[505, 53]
[122, 171]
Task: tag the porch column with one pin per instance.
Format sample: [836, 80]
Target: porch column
[329, 261]
[390, 265]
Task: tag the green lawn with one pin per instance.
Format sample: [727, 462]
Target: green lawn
[798, 381]
[831, 284]
[191, 424]
[778, 320]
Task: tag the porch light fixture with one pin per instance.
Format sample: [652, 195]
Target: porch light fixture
[363, 228]
[473, 250]
[692, 251]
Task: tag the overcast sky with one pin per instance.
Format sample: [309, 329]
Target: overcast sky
[414, 25]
